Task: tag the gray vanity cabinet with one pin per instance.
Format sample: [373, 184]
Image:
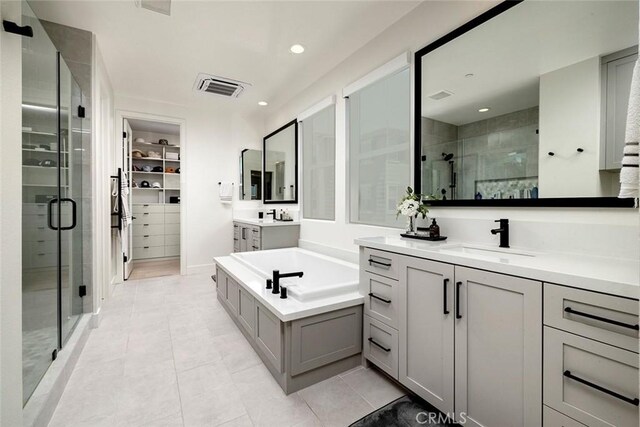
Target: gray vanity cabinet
[498, 349]
[426, 326]
[248, 238]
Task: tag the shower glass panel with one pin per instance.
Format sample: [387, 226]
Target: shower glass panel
[39, 186]
[52, 168]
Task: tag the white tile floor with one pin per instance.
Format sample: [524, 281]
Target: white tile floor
[167, 354]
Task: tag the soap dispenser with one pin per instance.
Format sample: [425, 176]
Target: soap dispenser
[434, 229]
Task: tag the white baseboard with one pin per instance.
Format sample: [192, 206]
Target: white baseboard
[349, 256]
[201, 269]
[96, 318]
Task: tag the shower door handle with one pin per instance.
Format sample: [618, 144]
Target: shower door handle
[49, 213]
[74, 214]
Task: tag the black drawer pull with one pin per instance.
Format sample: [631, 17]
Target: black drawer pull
[635, 401]
[372, 295]
[384, 264]
[444, 291]
[372, 341]
[146, 247]
[235, 239]
[255, 247]
[458, 315]
[601, 319]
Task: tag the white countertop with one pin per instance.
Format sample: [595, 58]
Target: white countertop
[265, 222]
[619, 277]
[285, 309]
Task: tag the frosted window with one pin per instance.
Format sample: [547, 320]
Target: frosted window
[379, 147]
[319, 164]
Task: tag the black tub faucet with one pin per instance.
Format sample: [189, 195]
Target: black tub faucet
[277, 276]
[503, 231]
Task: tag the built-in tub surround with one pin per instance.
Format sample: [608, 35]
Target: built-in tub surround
[314, 333]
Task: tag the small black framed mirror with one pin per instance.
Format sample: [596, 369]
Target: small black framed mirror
[280, 165]
[250, 187]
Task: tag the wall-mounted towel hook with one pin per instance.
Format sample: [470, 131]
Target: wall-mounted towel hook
[220, 183]
[580, 150]
[551, 153]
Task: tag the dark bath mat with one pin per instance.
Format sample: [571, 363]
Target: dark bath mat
[407, 411]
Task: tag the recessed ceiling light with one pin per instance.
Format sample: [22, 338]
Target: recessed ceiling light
[263, 103]
[484, 110]
[297, 48]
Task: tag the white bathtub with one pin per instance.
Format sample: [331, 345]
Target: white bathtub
[324, 276]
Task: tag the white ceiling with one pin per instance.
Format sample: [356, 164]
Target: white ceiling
[150, 55]
[508, 54]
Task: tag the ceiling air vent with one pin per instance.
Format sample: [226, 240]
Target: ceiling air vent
[219, 85]
[440, 95]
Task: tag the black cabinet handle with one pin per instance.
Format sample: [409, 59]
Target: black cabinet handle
[372, 295]
[384, 264]
[635, 401]
[444, 291]
[458, 315]
[601, 319]
[372, 341]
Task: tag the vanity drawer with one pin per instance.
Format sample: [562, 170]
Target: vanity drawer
[148, 240]
[380, 345]
[172, 240]
[148, 218]
[174, 208]
[381, 299]
[148, 252]
[147, 208]
[553, 418]
[148, 229]
[381, 262]
[255, 245]
[591, 382]
[172, 229]
[572, 310]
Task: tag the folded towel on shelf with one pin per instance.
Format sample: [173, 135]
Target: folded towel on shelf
[225, 192]
[630, 172]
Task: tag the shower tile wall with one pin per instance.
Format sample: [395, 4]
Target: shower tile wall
[500, 153]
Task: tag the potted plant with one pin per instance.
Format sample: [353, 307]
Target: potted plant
[411, 206]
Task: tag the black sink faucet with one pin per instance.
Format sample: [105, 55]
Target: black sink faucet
[503, 231]
[277, 276]
[272, 212]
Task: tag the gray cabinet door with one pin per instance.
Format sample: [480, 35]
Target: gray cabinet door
[246, 311]
[233, 295]
[269, 333]
[498, 349]
[426, 326]
[221, 283]
[244, 238]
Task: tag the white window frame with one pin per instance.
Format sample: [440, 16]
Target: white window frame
[397, 64]
[316, 108]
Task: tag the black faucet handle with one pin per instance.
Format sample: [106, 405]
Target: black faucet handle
[283, 292]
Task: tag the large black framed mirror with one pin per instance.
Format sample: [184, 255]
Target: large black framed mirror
[280, 165]
[526, 105]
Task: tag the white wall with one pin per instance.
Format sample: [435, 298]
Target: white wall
[214, 140]
[10, 221]
[423, 25]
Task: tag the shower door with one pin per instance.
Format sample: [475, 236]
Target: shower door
[52, 180]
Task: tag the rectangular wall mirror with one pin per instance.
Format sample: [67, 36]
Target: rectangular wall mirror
[280, 165]
[250, 187]
[526, 106]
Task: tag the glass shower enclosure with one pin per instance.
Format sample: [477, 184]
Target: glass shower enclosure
[52, 182]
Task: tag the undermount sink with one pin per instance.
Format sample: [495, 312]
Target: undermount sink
[500, 253]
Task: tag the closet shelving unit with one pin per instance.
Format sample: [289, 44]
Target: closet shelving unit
[169, 182]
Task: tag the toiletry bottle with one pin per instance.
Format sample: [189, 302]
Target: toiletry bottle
[434, 229]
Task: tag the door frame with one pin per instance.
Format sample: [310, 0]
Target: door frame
[182, 123]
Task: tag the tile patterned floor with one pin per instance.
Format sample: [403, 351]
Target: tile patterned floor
[167, 354]
[154, 268]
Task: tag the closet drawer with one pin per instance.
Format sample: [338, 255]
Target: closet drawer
[172, 229]
[572, 310]
[174, 208]
[39, 246]
[148, 218]
[173, 250]
[381, 262]
[147, 208]
[380, 345]
[148, 240]
[381, 299]
[38, 233]
[34, 208]
[148, 229]
[553, 418]
[148, 252]
[578, 372]
[172, 218]
[172, 239]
